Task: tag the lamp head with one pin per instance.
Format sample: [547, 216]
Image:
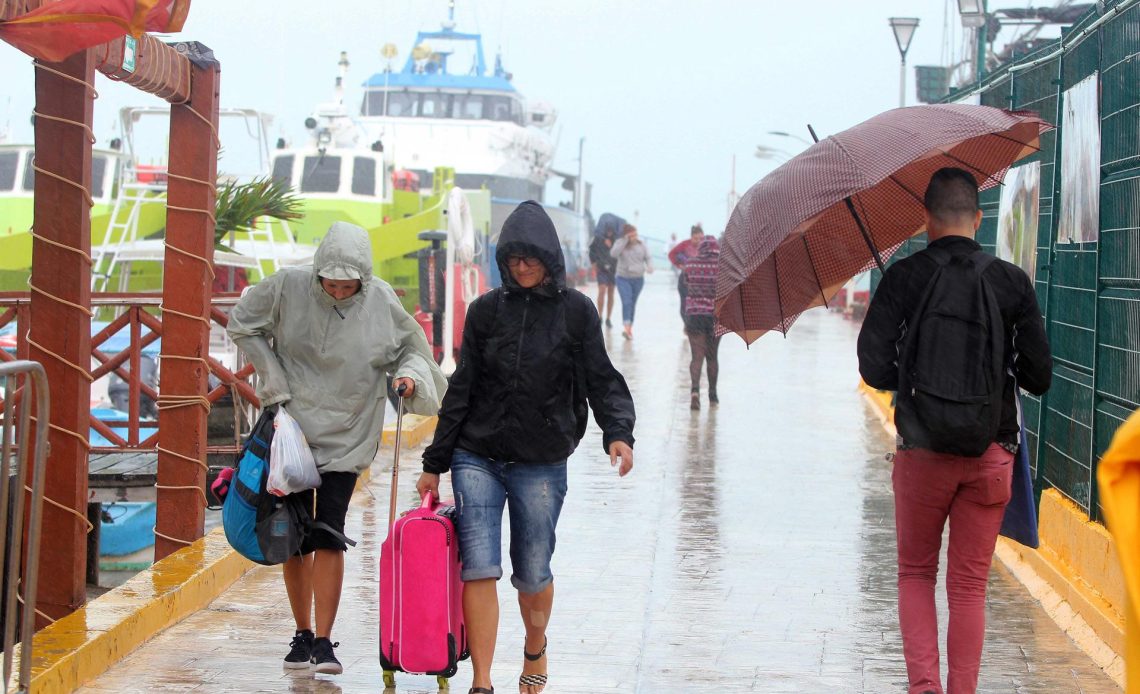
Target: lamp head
[904, 31]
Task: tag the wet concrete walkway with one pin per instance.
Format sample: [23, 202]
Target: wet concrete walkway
[751, 550]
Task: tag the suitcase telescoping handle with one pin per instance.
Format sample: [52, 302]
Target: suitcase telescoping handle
[396, 458]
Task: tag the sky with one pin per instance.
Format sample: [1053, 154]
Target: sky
[665, 93]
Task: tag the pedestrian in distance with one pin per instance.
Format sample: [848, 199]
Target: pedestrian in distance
[699, 306]
[955, 332]
[633, 262]
[323, 340]
[604, 267]
[532, 355]
[680, 254]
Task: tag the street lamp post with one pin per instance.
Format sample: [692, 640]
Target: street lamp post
[904, 31]
[974, 17]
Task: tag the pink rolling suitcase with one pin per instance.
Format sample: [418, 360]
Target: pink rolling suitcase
[421, 595]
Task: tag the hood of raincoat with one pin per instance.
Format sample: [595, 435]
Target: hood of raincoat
[530, 231]
[345, 253]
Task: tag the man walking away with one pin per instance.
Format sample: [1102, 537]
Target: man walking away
[955, 331]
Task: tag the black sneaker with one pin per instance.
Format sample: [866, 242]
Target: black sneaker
[300, 650]
[324, 660]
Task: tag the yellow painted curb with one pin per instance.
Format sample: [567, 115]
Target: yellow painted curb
[84, 644]
[1074, 575]
[1083, 615]
[417, 429]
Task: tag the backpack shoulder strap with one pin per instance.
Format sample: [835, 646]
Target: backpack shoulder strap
[318, 525]
[575, 325]
[487, 326]
[310, 524]
[981, 260]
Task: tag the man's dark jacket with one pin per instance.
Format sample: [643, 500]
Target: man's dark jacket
[511, 397]
[898, 295]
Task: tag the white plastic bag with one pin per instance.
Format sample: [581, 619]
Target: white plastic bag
[291, 464]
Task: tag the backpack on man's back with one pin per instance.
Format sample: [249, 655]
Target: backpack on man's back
[952, 360]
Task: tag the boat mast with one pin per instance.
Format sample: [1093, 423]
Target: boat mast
[343, 64]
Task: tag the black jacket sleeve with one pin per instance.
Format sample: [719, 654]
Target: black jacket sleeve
[1032, 358]
[878, 339]
[606, 389]
[457, 399]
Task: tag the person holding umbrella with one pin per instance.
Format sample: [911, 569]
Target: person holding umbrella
[948, 466]
[605, 264]
[633, 262]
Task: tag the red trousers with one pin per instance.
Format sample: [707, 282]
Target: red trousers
[972, 492]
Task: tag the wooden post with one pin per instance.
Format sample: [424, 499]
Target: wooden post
[186, 289]
[62, 325]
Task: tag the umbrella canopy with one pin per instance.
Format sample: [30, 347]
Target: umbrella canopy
[849, 201]
[609, 226]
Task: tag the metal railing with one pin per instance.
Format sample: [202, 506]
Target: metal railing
[20, 548]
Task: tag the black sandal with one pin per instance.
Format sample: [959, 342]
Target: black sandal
[480, 690]
[534, 680]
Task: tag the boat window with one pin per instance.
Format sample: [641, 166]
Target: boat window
[498, 108]
[29, 171]
[321, 175]
[8, 161]
[434, 105]
[468, 106]
[363, 176]
[98, 175]
[517, 114]
[283, 168]
[400, 104]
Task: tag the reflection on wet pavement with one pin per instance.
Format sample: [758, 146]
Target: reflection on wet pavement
[752, 549]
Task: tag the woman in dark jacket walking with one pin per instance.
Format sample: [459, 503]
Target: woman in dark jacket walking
[532, 355]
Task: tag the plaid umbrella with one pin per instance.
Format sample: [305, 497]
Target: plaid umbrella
[847, 202]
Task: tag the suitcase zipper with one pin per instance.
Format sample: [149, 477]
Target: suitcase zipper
[446, 530]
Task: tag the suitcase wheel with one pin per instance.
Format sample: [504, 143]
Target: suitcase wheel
[389, 679]
[442, 682]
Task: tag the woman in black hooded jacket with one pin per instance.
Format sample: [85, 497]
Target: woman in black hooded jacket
[532, 355]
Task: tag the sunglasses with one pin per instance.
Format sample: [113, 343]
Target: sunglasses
[516, 260]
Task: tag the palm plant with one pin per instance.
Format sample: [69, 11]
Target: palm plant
[239, 206]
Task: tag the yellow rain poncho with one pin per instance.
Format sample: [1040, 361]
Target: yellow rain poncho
[1119, 478]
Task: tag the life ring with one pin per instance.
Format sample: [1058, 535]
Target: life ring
[460, 226]
[461, 232]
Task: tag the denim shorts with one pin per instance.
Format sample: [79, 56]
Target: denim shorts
[533, 494]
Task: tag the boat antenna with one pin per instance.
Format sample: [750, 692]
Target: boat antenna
[450, 23]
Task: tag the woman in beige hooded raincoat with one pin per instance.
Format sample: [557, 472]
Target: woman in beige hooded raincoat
[323, 339]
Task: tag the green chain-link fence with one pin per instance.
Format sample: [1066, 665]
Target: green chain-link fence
[1089, 292]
